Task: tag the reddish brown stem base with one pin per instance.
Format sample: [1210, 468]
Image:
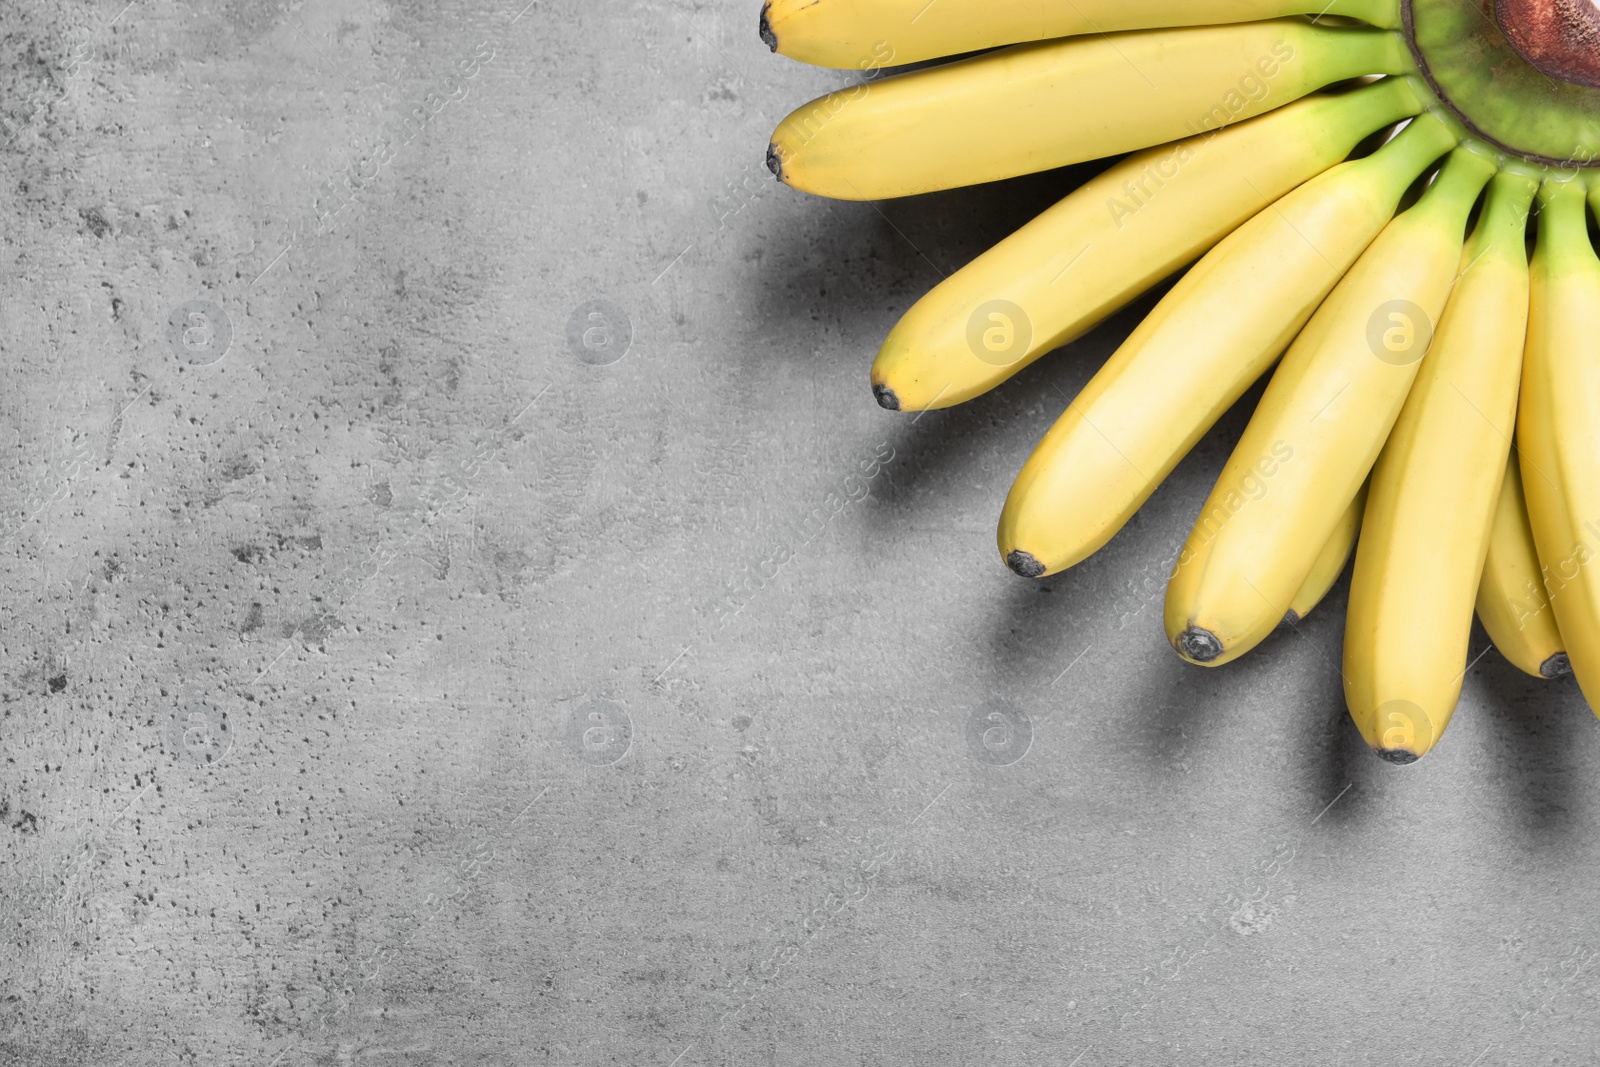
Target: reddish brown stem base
[1561, 38]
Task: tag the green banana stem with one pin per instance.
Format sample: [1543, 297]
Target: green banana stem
[1383, 13]
[1457, 186]
[1502, 229]
[1424, 140]
[1563, 229]
[1372, 51]
[1351, 116]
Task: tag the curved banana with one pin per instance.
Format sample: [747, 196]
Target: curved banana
[1511, 601]
[1330, 562]
[1038, 106]
[1416, 578]
[1196, 353]
[1558, 425]
[1082, 259]
[872, 34]
[1318, 429]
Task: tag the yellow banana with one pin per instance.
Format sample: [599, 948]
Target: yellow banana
[1511, 601]
[1318, 429]
[1196, 353]
[1034, 107]
[1416, 577]
[1558, 425]
[872, 34]
[1082, 259]
[1330, 562]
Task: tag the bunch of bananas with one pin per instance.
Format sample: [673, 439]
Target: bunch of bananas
[1354, 186]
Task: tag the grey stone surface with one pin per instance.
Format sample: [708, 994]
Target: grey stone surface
[389, 679]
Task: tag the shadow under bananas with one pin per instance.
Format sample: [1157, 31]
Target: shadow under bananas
[1533, 732]
[1326, 747]
[1536, 730]
[862, 265]
[1188, 711]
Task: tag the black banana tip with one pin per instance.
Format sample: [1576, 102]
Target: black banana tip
[1199, 645]
[886, 398]
[1557, 666]
[766, 28]
[1024, 564]
[1401, 756]
[1291, 618]
[774, 164]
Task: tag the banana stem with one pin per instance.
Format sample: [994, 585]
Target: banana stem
[1382, 13]
[1503, 226]
[1563, 229]
[1424, 140]
[1388, 51]
[1355, 113]
[1458, 184]
[1375, 51]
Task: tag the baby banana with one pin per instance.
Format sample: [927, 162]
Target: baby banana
[1416, 577]
[1558, 424]
[1511, 598]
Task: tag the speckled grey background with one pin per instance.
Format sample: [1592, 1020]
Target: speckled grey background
[402, 666]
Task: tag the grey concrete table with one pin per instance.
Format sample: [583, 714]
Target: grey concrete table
[462, 605]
